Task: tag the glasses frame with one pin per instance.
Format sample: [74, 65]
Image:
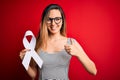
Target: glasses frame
[51, 20]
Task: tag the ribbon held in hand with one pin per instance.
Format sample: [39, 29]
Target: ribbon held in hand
[32, 53]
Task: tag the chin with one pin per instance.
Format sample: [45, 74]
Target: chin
[54, 32]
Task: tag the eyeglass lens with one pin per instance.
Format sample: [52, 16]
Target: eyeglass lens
[57, 20]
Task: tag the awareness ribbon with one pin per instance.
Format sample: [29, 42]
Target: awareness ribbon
[32, 53]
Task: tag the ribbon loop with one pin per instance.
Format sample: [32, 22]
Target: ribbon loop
[32, 43]
[32, 53]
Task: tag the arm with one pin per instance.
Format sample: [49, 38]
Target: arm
[76, 50]
[32, 69]
[85, 60]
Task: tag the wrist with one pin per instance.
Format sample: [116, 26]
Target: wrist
[77, 54]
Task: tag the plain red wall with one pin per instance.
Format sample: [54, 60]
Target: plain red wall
[94, 24]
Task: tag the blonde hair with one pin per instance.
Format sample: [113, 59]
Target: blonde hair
[43, 32]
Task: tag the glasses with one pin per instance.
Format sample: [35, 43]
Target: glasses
[57, 20]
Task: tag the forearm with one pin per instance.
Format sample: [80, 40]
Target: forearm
[32, 72]
[87, 63]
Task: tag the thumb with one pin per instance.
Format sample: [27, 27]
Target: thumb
[72, 42]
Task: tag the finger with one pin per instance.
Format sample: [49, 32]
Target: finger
[22, 53]
[25, 50]
[67, 46]
[69, 51]
[22, 56]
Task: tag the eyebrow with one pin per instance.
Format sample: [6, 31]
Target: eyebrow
[55, 17]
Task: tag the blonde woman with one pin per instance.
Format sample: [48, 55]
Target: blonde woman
[55, 48]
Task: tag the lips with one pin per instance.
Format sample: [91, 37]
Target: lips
[53, 28]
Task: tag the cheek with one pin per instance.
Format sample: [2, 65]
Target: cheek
[60, 25]
[48, 26]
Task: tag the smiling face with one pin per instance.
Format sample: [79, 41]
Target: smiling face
[54, 21]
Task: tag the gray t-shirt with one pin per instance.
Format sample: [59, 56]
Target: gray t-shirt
[55, 66]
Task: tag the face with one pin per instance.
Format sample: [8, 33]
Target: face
[54, 21]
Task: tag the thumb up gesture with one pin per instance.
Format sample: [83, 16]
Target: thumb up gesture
[72, 48]
[75, 49]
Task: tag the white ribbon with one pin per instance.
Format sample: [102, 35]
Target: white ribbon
[32, 53]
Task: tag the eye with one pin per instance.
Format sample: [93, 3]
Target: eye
[57, 18]
[48, 19]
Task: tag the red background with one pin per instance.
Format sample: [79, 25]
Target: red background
[94, 24]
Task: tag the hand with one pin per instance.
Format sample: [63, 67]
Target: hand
[72, 49]
[23, 52]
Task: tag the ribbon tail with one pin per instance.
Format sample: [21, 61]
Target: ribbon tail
[26, 60]
[37, 59]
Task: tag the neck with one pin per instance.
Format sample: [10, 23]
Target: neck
[55, 36]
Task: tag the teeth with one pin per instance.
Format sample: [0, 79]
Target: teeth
[53, 28]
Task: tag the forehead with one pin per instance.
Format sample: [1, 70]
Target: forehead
[54, 13]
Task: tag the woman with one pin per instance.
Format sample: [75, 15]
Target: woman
[55, 48]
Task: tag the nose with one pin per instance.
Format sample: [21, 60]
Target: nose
[52, 22]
